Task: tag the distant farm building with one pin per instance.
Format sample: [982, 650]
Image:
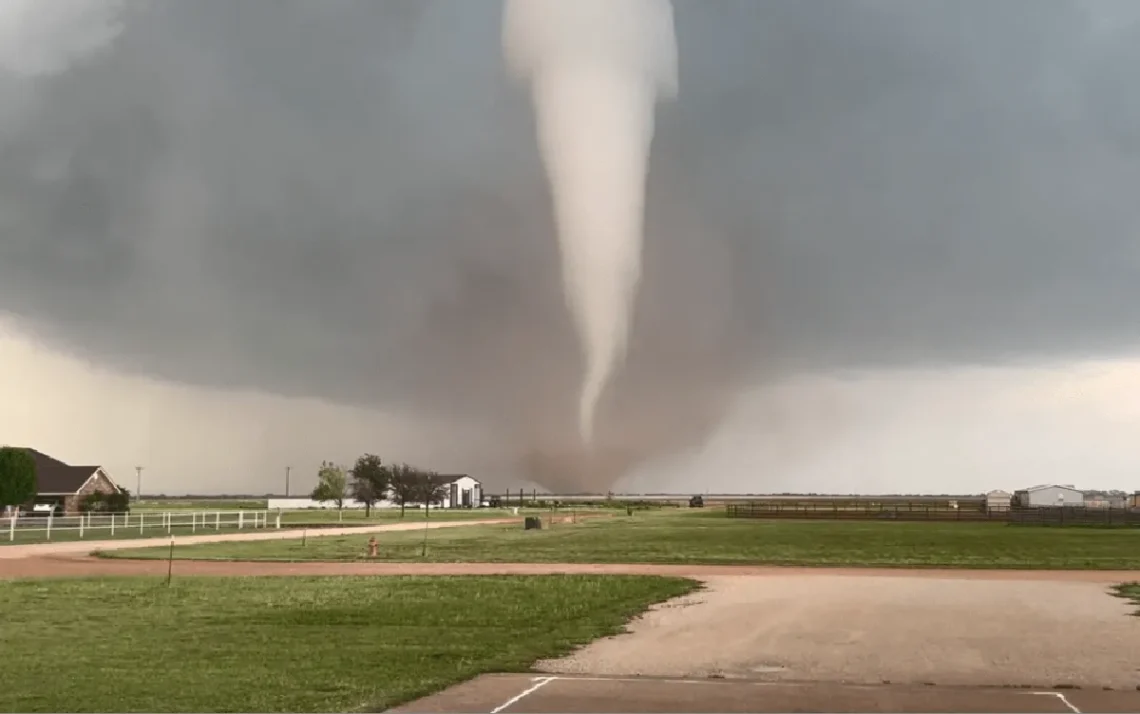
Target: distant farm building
[463, 492]
[1049, 495]
[998, 500]
[1099, 499]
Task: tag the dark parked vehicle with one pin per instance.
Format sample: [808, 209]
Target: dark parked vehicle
[697, 502]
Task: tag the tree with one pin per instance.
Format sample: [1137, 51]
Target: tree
[99, 502]
[17, 476]
[430, 488]
[404, 484]
[331, 484]
[370, 481]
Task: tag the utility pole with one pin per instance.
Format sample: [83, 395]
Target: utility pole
[287, 470]
[138, 482]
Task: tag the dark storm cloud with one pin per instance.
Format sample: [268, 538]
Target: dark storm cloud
[342, 198]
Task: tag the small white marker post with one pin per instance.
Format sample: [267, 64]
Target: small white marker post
[51, 515]
[112, 524]
[12, 525]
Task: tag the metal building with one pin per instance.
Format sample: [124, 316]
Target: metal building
[1049, 495]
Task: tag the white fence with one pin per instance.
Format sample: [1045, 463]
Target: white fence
[102, 526]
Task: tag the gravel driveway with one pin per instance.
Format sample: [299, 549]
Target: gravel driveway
[918, 629]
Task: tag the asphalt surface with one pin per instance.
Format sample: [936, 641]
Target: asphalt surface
[548, 694]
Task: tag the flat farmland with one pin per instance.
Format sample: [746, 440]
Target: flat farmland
[711, 538]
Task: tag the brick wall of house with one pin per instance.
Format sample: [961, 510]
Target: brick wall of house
[100, 484]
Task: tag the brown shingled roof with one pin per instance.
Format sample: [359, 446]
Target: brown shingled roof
[54, 476]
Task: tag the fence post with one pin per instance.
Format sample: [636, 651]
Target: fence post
[278, 519]
[81, 525]
[193, 522]
[12, 525]
[50, 517]
[142, 520]
[217, 520]
[168, 523]
[112, 524]
[241, 520]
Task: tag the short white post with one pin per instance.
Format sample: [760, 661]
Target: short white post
[278, 519]
[168, 522]
[80, 525]
[51, 516]
[142, 520]
[112, 524]
[12, 525]
[193, 522]
[217, 520]
[241, 520]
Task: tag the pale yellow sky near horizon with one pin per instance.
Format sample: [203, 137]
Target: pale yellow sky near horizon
[961, 431]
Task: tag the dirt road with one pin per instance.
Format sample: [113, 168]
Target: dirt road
[917, 629]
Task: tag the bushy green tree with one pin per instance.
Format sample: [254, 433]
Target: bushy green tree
[332, 484]
[404, 485]
[430, 488]
[370, 481]
[17, 476]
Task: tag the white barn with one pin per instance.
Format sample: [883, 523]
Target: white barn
[464, 492]
[998, 500]
[1050, 495]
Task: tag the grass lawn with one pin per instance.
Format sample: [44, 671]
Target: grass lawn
[710, 537]
[292, 644]
[1129, 591]
[33, 530]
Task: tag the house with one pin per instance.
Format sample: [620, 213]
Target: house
[998, 500]
[64, 486]
[1049, 495]
[463, 491]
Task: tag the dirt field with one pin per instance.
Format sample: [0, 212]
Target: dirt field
[780, 639]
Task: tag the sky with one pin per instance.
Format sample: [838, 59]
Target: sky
[890, 248]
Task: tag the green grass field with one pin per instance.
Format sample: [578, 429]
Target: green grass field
[1131, 592]
[711, 538]
[33, 530]
[292, 644]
